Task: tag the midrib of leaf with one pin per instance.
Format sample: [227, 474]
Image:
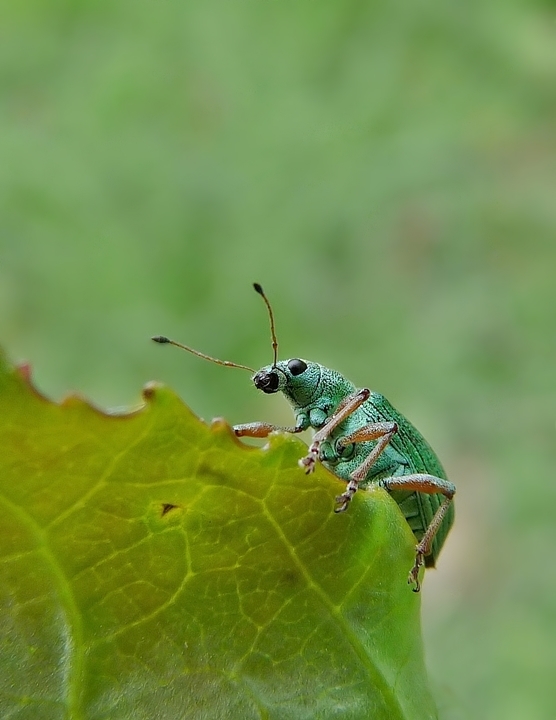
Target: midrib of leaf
[73, 652]
[334, 610]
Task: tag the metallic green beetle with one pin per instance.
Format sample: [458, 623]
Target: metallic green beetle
[362, 439]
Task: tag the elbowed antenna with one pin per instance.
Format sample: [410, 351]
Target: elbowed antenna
[162, 340]
[260, 290]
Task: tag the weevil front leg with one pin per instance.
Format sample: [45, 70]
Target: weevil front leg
[262, 429]
[344, 410]
[429, 484]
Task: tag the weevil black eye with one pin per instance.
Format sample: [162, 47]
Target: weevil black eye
[296, 366]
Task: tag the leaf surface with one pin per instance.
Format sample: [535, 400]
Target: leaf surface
[154, 567]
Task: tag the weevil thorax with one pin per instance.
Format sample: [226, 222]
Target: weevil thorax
[307, 385]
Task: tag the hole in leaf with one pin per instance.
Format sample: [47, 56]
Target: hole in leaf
[166, 508]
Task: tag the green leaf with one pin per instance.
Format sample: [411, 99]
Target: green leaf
[154, 567]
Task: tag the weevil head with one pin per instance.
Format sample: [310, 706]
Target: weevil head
[298, 379]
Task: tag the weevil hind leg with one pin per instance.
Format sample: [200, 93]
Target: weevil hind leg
[430, 485]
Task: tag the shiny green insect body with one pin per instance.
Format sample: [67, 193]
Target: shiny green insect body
[363, 440]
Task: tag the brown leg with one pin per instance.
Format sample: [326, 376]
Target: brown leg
[261, 429]
[383, 433]
[430, 485]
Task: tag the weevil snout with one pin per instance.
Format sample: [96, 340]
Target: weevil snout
[267, 381]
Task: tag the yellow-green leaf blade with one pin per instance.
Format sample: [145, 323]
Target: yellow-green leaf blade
[152, 567]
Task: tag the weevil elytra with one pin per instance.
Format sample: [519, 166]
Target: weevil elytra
[359, 437]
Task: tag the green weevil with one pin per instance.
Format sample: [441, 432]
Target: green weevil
[359, 437]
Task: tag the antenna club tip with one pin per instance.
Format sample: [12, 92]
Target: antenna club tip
[160, 339]
[258, 288]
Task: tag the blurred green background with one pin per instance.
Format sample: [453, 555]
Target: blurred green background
[387, 171]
